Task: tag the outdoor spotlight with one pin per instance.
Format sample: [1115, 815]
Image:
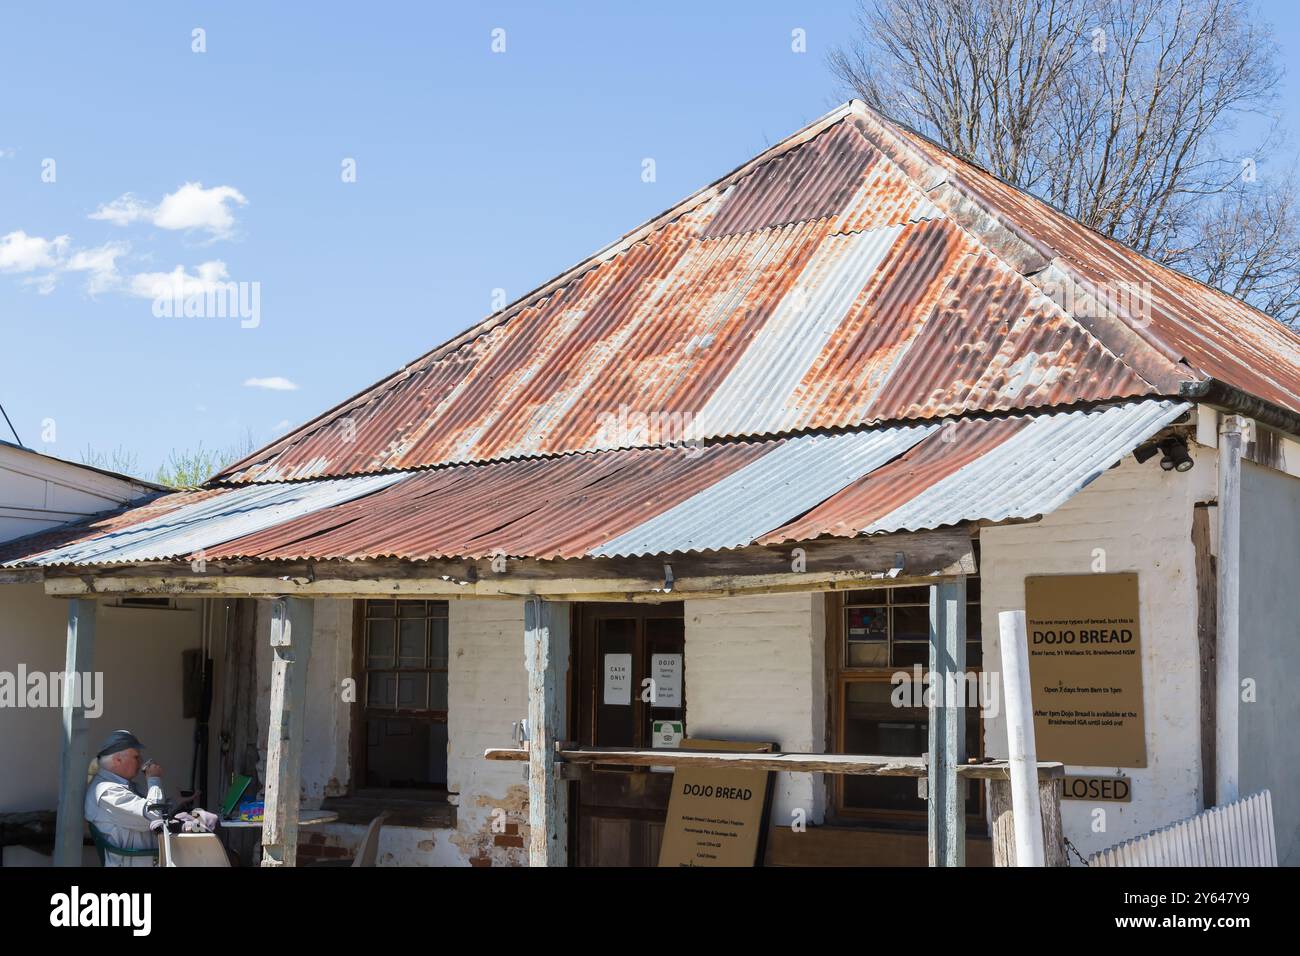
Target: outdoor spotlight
[1176, 456]
[1143, 453]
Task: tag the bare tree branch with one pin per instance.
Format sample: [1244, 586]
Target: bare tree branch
[1122, 113]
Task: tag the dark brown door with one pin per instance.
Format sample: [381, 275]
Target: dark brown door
[620, 811]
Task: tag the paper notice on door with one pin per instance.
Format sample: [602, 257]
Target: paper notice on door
[618, 679]
[666, 671]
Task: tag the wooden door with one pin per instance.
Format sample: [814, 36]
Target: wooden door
[620, 811]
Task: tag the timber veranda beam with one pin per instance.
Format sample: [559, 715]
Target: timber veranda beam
[841, 563]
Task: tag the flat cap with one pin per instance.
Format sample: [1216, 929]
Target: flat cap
[119, 740]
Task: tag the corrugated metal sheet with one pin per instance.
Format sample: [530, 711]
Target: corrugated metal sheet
[1216, 334]
[1237, 834]
[636, 501]
[986, 470]
[822, 286]
[193, 527]
[752, 500]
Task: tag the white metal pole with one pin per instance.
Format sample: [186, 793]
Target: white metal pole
[1027, 815]
[1228, 636]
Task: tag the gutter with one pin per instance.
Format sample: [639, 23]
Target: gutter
[1211, 391]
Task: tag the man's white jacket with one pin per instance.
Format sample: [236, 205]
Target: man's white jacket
[117, 810]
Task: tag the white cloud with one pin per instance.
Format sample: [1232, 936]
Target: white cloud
[124, 210]
[190, 207]
[275, 383]
[20, 252]
[8, 153]
[178, 283]
[44, 285]
[100, 264]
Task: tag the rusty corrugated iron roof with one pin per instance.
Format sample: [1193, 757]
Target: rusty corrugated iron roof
[853, 274]
[635, 502]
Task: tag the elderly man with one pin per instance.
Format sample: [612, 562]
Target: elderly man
[113, 804]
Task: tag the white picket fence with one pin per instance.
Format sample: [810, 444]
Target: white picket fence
[1237, 834]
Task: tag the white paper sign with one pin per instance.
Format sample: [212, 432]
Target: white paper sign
[666, 670]
[618, 679]
[666, 733]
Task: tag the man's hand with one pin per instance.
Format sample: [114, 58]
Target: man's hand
[152, 769]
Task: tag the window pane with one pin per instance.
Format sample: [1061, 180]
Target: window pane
[872, 725]
[867, 623]
[868, 654]
[916, 595]
[973, 624]
[411, 647]
[438, 690]
[381, 689]
[379, 609]
[406, 753]
[410, 609]
[379, 652]
[912, 623]
[913, 652]
[412, 691]
[871, 596]
[438, 643]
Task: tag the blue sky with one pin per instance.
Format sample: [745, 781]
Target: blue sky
[475, 171]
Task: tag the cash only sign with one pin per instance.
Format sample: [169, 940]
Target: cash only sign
[717, 816]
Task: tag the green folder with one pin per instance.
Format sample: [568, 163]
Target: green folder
[238, 784]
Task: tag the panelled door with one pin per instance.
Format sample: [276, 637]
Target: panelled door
[619, 812]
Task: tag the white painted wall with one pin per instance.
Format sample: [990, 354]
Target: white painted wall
[138, 652]
[1142, 518]
[755, 670]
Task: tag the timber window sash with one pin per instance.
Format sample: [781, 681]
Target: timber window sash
[876, 634]
[399, 726]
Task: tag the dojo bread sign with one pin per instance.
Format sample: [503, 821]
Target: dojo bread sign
[716, 815]
[1085, 666]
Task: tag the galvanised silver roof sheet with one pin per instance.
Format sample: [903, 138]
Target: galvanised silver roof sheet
[190, 530]
[766, 493]
[1036, 470]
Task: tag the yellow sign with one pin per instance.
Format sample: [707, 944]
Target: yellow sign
[1085, 666]
[716, 815]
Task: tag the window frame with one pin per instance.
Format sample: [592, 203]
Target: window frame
[839, 674]
[361, 710]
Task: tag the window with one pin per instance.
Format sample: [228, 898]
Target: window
[875, 633]
[400, 740]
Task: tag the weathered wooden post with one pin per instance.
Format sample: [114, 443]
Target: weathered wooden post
[78, 661]
[945, 794]
[1002, 824]
[546, 657]
[291, 637]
